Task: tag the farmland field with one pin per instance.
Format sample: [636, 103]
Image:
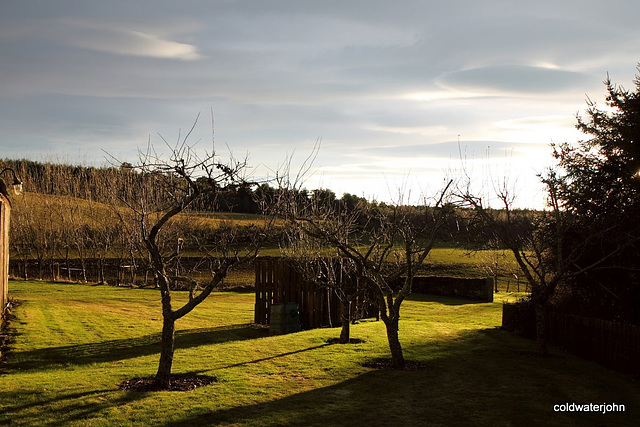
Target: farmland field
[74, 344]
[55, 236]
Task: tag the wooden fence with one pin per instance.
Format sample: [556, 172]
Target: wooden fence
[279, 280]
[113, 271]
[5, 210]
[613, 344]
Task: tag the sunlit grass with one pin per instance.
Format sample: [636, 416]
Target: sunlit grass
[73, 344]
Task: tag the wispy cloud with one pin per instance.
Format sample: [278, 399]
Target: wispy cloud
[124, 41]
[514, 79]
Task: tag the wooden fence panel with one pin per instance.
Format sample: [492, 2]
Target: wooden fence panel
[278, 281]
[613, 344]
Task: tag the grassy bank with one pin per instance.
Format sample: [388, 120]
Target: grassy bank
[73, 345]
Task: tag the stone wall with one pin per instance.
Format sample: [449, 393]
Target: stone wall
[477, 289]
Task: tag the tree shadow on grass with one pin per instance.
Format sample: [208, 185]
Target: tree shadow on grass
[477, 378]
[277, 356]
[113, 350]
[73, 407]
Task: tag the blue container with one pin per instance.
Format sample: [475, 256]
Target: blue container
[284, 319]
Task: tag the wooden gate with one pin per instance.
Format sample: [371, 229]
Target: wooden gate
[279, 281]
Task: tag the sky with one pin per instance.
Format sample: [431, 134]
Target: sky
[401, 96]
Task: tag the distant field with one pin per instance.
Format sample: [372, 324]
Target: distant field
[447, 261]
[93, 214]
[34, 213]
[441, 262]
[73, 345]
[215, 219]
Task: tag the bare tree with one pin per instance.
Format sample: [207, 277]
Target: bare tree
[545, 244]
[491, 260]
[165, 188]
[316, 262]
[386, 245]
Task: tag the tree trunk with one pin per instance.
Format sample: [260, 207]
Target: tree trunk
[345, 317]
[541, 329]
[24, 263]
[163, 375]
[40, 265]
[83, 264]
[397, 358]
[133, 268]
[68, 265]
[101, 278]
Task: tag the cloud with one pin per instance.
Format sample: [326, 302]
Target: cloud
[455, 150]
[529, 123]
[381, 83]
[515, 79]
[123, 41]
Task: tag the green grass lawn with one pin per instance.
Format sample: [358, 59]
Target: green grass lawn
[73, 345]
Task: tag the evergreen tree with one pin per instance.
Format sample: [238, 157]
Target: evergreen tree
[601, 188]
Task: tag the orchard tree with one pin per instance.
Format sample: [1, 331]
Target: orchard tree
[492, 260]
[588, 233]
[545, 244]
[534, 242]
[314, 259]
[386, 246]
[167, 187]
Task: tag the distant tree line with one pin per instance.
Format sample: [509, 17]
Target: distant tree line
[97, 188]
[100, 184]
